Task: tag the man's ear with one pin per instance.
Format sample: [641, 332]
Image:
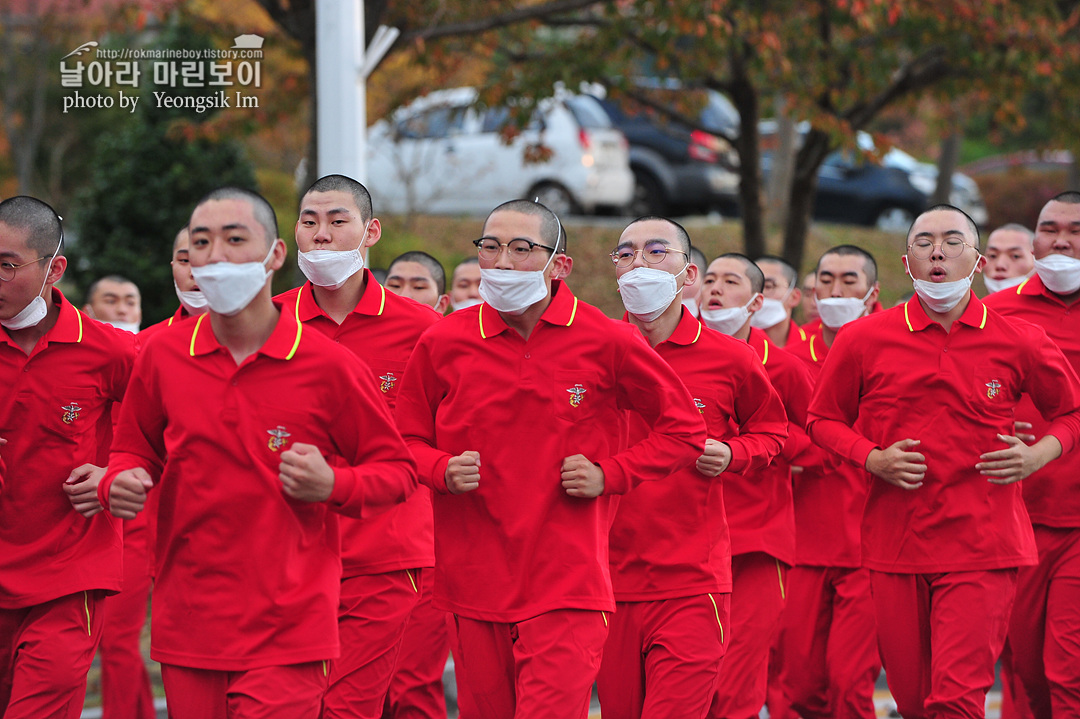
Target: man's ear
[374, 233]
[691, 275]
[794, 299]
[56, 272]
[561, 266]
[872, 298]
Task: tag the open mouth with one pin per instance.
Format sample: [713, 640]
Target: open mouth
[938, 274]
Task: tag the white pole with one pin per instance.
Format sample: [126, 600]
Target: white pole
[342, 103]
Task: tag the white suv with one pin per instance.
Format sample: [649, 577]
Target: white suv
[441, 154]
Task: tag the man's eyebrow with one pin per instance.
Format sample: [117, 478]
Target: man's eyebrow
[335, 211]
[927, 233]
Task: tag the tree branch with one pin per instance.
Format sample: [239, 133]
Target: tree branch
[920, 72]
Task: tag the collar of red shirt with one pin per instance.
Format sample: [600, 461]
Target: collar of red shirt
[915, 315]
[282, 344]
[372, 302]
[686, 332]
[561, 311]
[761, 344]
[68, 327]
[181, 313]
[1034, 286]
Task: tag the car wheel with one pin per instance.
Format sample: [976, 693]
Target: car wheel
[555, 197]
[894, 219]
[648, 196]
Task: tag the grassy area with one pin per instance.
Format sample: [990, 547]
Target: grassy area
[591, 239]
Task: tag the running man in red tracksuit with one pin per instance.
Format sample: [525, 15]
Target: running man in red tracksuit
[59, 554]
[1044, 633]
[670, 549]
[760, 507]
[515, 411]
[384, 557]
[828, 634]
[256, 434]
[924, 397]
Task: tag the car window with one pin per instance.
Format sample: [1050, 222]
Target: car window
[434, 123]
[587, 112]
[719, 115]
[496, 118]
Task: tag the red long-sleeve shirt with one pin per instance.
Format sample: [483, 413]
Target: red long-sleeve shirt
[382, 331]
[55, 413]
[830, 494]
[670, 538]
[759, 504]
[898, 375]
[518, 545]
[246, 575]
[1051, 493]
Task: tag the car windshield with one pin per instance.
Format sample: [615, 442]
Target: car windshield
[588, 112]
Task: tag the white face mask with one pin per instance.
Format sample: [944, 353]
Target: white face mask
[728, 319]
[1060, 273]
[647, 292]
[37, 310]
[514, 291]
[993, 285]
[132, 327]
[194, 301]
[231, 286]
[332, 268]
[465, 304]
[835, 312]
[941, 297]
[772, 312]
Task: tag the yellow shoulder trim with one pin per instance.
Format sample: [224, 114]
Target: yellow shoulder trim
[813, 352]
[382, 301]
[802, 333]
[483, 335]
[78, 316]
[296, 342]
[297, 308]
[907, 318]
[195, 333]
[698, 335]
[765, 354]
[983, 323]
[1020, 287]
[573, 313]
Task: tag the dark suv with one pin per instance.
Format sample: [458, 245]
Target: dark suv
[678, 170]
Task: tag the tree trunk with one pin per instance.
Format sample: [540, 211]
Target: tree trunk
[803, 190]
[950, 156]
[778, 187]
[311, 167]
[747, 145]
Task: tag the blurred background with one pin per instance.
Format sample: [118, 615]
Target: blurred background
[781, 127]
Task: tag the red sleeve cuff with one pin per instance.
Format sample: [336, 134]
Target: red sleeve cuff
[615, 479]
[437, 481]
[344, 484]
[861, 451]
[740, 458]
[103, 489]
